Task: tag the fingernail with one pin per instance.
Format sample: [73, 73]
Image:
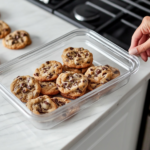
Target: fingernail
[133, 51]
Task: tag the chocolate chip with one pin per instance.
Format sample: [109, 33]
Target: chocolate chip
[18, 76]
[24, 91]
[42, 85]
[5, 30]
[67, 60]
[22, 40]
[116, 71]
[61, 103]
[104, 68]
[78, 55]
[84, 80]
[20, 79]
[23, 85]
[24, 34]
[47, 62]
[89, 76]
[98, 71]
[36, 74]
[55, 100]
[107, 65]
[64, 84]
[104, 74]
[50, 75]
[79, 90]
[40, 110]
[18, 32]
[48, 67]
[77, 63]
[71, 48]
[107, 79]
[45, 71]
[46, 103]
[80, 49]
[13, 42]
[79, 76]
[95, 75]
[91, 69]
[86, 54]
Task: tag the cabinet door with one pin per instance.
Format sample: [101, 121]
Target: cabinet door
[119, 130]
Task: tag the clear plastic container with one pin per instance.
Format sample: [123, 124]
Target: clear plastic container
[104, 52]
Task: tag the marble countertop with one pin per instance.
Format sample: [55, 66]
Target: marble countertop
[15, 131]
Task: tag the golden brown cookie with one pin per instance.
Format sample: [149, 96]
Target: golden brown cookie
[72, 84]
[4, 29]
[49, 88]
[77, 57]
[48, 71]
[99, 74]
[17, 40]
[25, 88]
[60, 101]
[93, 85]
[115, 71]
[75, 70]
[41, 105]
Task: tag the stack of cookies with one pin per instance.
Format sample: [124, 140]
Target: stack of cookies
[15, 40]
[71, 80]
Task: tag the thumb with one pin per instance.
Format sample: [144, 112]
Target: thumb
[141, 48]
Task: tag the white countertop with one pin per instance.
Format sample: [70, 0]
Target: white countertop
[16, 133]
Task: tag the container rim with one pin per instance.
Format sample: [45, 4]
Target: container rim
[132, 70]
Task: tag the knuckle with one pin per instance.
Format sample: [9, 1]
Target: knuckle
[141, 49]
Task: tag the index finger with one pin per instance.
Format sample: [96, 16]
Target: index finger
[136, 37]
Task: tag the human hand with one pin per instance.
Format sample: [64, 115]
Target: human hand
[140, 43]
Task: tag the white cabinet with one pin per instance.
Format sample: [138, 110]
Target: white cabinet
[119, 130]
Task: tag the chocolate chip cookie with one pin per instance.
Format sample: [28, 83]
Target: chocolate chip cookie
[77, 57]
[4, 29]
[93, 85]
[48, 71]
[25, 88]
[49, 88]
[99, 74]
[115, 71]
[41, 105]
[75, 70]
[60, 101]
[72, 85]
[17, 40]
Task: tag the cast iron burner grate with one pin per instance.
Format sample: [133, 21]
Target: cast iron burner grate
[114, 19]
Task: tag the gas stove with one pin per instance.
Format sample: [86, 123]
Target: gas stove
[114, 19]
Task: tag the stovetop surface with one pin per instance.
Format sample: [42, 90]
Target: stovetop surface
[114, 19]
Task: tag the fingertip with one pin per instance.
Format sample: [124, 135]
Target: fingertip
[133, 51]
